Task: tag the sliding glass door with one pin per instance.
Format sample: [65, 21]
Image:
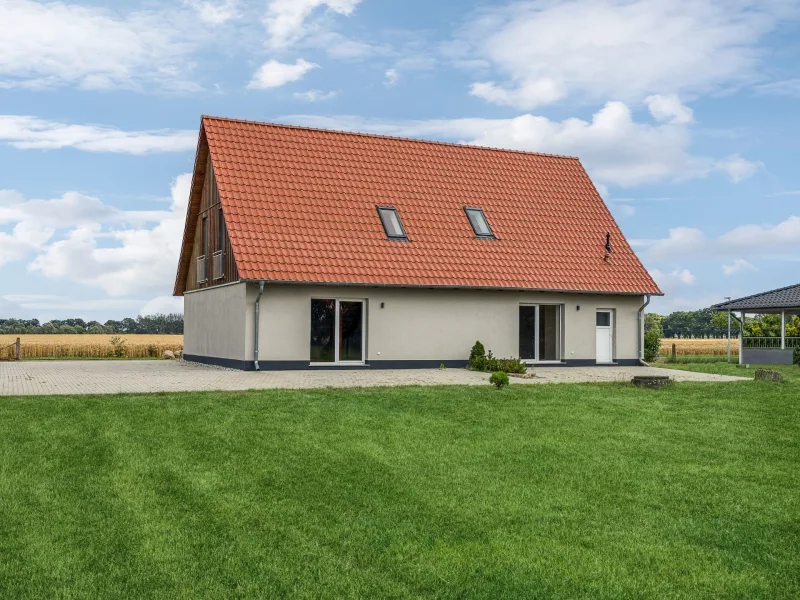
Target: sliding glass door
[337, 331]
[540, 332]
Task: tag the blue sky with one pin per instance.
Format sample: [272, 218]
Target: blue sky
[684, 112]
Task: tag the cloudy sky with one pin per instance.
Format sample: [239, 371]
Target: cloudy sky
[685, 113]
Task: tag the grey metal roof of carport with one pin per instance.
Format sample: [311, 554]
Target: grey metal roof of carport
[775, 301]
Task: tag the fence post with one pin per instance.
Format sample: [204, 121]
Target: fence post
[17, 344]
[674, 351]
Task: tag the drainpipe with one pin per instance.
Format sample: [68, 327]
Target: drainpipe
[641, 332]
[258, 308]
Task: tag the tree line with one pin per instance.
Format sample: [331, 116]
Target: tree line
[707, 323]
[171, 324]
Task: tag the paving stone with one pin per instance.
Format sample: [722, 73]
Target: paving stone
[112, 377]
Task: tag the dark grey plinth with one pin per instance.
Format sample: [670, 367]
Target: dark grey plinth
[766, 356]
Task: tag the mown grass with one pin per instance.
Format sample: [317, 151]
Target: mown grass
[790, 373]
[553, 491]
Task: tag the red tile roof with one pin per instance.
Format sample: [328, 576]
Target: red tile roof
[300, 206]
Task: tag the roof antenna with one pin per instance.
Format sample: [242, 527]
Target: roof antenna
[608, 243]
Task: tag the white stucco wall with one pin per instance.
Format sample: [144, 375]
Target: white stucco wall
[214, 322]
[427, 324]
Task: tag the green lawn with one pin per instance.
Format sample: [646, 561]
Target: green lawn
[791, 374]
[558, 491]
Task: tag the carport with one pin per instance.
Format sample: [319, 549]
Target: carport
[766, 350]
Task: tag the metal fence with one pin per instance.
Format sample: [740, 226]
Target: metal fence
[770, 342]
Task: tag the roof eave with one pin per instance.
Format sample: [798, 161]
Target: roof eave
[452, 287]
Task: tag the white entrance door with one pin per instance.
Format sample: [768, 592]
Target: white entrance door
[605, 337]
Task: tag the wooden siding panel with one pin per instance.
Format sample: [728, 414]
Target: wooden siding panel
[210, 208]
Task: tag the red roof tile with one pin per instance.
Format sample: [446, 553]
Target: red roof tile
[300, 206]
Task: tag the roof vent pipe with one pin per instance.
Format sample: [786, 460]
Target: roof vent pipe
[641, 332]
[608, 243]
[258, 309]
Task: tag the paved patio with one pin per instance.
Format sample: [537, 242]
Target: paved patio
[112, 377]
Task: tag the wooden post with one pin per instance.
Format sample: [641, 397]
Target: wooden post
[674, 351]
[17, 344]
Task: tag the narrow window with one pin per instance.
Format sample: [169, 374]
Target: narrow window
[221, 232]
[205, 236]
[478, 221]
[391, 223]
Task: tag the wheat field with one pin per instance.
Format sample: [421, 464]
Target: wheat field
[699, 347]
[93, 346]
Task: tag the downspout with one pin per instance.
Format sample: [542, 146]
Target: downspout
[641, 332]
[258, 309]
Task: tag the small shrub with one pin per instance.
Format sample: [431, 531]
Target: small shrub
[797, 356]
[477, 357]
[652, 345]
[152, 350]
[499, 379]
[117, 346]
[442, 367]
[480, 360]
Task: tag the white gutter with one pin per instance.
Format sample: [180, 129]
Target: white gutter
[258, 310]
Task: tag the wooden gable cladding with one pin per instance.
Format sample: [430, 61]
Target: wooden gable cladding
[211, 247]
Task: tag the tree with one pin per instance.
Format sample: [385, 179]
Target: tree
[654, 321]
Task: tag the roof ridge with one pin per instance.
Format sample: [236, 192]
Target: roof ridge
[751, 296]
[388, 137]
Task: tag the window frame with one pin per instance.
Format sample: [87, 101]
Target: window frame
[337, 331]
[395, 238]
[482, 236]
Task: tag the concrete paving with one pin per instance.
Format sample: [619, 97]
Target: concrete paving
[36, 378]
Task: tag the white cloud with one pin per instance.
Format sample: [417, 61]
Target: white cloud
[53, 44]
[35, 222]
[682, 241]
[783, 237]
[215, 13]
[527, 95]
[163, 305]
[121, 261]
[391, 77]
[675, 278]
[275, 74]
[781, 241]
[787, 87]
[622, 209]
[738, 168]
[623, 49]
[669, 108]
[736, 266]
[32, 133]
[315, 95]
[286, 20]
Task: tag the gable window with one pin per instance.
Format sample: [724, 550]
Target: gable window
[221, 231]
[202, 261]
[391, 223]
[219, 255]
[479, 223]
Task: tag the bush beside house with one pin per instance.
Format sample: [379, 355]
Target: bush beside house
[480, 360]
[652, 345]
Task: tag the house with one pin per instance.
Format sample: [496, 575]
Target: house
[307, 248]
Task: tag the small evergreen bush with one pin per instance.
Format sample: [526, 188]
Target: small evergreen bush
[499, 379]
[652, 345]
[797, 356]
[480, 360]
